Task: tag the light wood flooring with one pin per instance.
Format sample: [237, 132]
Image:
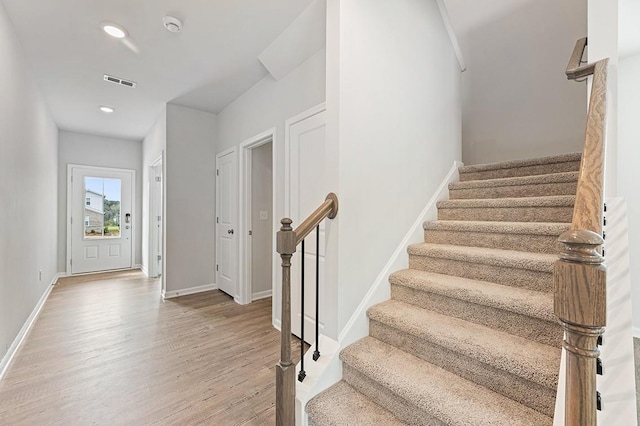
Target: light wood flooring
[106, 350]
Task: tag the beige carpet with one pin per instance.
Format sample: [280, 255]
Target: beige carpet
[469, 336]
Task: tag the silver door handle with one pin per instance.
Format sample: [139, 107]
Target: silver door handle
[230, 231]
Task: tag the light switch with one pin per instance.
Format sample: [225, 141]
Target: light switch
[264, 215]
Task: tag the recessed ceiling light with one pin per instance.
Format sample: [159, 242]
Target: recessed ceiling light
[172, 24]
[114, 30]
[106, 109]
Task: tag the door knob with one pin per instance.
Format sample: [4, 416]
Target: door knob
[230, 231]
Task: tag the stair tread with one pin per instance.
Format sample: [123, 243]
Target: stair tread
[517, 181]
[497, 257]
[522, 301]
[563, 158]
[527, 228]
[548, 201]
[522, 357]
[444, 395]
[341, 404]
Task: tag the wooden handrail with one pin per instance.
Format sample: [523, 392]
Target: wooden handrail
[287, 241]
[579, 276]
[328, 209]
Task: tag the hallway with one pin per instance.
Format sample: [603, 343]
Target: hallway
[106, 349]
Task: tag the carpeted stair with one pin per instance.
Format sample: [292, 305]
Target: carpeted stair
[469, 336]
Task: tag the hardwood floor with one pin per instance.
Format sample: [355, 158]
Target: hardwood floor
[106, 350]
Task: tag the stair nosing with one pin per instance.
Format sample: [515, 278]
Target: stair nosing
[514, 164]
[549, 178]
[542, 262]
[460, 336]
[431, 280]
[445, 401]
[510, 202]
[497, 227]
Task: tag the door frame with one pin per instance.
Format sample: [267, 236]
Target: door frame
[244, 211]
[153, 272]
[232, 150]
[70, 168]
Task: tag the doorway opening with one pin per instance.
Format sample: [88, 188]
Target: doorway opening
[258, 219]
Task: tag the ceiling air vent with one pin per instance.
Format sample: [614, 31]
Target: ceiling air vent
[119, 81]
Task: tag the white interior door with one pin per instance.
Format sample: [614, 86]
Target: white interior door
[101, 219]
[308, 189]
[226, 221]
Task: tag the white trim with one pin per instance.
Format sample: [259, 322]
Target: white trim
[22, 334]
[244, 243]
[452, 34]
[188, 291]
[143, 269]
[134, 223]
[261, 295]
[159, 161]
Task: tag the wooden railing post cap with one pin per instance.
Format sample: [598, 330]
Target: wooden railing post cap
[286, 238]
[581, 245]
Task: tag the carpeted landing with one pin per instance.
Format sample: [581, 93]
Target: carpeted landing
[469, 336]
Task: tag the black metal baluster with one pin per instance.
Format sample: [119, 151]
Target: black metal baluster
[316, 353]
[302, 374]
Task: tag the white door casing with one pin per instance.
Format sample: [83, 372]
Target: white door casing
[155, 219]
[226, 222]
[305, 144]
[90, 249]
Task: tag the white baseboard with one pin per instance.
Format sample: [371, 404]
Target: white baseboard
[17, 342]
[261, 295]
[277, 324]
[143, 269]
[187, 291]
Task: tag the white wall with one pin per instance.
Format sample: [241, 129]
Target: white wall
[628, 174]
[28, 189]
[261, 227]
[152, 147]
[395, 125]
[190, 198]
[269, 104]
[517, 101]
[92, 150]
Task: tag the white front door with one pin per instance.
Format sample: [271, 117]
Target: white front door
[307, 190]
[101, 219]
[226, 221]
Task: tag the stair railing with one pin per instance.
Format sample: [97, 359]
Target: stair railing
[287, 241]
[579, 275]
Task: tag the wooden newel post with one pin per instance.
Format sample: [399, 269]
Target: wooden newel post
[580, 304]
[285, 369]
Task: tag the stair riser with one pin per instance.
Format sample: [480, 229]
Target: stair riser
[545, 332]
[520, 242]
[516, 191]
[524, 278]
[543, 169]
[531, 394]
[508, 214]
[382, 396]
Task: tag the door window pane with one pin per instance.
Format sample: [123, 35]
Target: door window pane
[102, 207]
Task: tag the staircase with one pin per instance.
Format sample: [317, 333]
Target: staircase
[469, 336]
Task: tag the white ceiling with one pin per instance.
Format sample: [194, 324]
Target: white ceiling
[206, 66]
